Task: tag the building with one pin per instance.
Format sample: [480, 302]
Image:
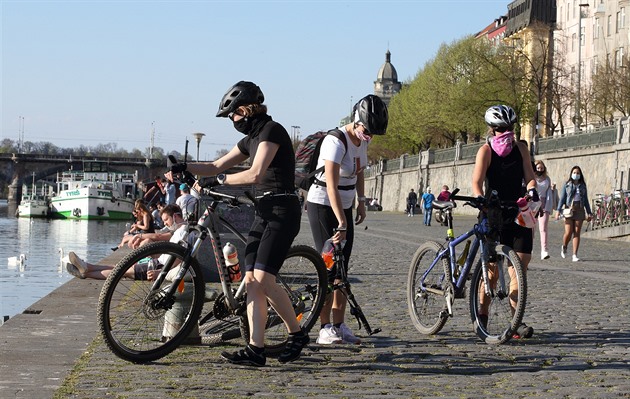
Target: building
[387, 84]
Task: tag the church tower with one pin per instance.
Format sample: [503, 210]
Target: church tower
[387, 84]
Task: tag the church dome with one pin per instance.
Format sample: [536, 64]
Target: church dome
[387, 71]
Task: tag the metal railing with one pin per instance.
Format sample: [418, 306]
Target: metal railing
[602, 136]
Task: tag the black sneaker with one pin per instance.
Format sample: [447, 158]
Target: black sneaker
[245, 356]
[523, 331]
[295, 344]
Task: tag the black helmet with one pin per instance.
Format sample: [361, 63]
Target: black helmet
[242, 93]
[371, 111]
[501, 116]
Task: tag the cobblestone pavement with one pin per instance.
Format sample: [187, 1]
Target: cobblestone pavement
[581, 347]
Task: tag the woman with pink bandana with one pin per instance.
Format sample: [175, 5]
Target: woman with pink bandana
[502, 164]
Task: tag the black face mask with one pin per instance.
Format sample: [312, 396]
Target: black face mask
[540, 172]
[243, 125]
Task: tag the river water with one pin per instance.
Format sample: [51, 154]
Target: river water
[42, 242]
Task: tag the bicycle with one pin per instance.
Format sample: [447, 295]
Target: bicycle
[437, 276]
[143, 320]
[344, 287]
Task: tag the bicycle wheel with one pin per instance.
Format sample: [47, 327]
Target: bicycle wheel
[506, 303]
[134, 327]
[303, 276]
[219, 324]
[426, 301]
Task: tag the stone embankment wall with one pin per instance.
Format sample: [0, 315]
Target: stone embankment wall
[605, 168]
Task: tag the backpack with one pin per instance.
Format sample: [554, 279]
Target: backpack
[306, 156]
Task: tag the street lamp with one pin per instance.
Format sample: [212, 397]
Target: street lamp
[198, 137]
[577, 120]
[295, 133]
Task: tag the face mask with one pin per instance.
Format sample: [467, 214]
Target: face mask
[539, 172]
[575, 176]
[243, 125]
[362, 136]
[502, 144]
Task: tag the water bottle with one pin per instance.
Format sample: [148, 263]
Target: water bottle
[525, 217]
[151, 266]
[327, 253]
[231, 261]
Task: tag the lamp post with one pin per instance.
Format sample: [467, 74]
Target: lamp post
[295, 132]
[198, 137]
[577, 120]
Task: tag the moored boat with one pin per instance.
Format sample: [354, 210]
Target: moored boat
[94, 193]
[34, 202]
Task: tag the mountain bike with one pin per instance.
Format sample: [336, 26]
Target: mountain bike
[344, 287]
[437, 276]
[143, 320]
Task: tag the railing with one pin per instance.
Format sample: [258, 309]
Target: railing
[602, 136]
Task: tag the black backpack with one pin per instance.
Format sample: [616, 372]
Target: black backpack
[307, 154]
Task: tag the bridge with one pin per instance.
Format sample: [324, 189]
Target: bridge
[19, 168]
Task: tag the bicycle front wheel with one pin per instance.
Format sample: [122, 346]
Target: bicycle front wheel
[497, 315]
[426, 288]
[303, 276]
[141, 324]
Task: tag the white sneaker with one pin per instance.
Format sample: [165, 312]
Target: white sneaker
[563, 252]
[347, 335]
[544, 255]
[329, 335]
[79, 263]
[575, 258]
[72, 269]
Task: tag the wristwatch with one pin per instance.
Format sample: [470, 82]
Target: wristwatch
[221, 178]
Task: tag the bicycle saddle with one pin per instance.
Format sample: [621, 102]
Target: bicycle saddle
[442, 205]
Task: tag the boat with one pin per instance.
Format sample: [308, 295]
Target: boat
[94, 193]
[34, 202]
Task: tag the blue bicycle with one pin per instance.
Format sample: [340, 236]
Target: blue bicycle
[437, 275]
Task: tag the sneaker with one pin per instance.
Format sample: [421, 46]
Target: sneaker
[245, 356]
[544, 255]
[295, 344]
[72, 269]
[575, 258]
[329, 335]
[79, 263]
[563, 252]
[523, 331]
[347, 335]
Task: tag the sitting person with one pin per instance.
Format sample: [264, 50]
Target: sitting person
[172, 217]
[143, 224]
[187, 202]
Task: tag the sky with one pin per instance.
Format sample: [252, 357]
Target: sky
[95, 72]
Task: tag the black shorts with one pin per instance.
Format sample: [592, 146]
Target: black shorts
[276, 224]
[323, 220]
[517, 237]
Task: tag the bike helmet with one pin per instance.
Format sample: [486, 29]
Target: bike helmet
[371, 111]
[501, 116]
[242, 93]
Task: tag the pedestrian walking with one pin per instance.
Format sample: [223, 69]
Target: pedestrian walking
[427, 204]
[545, 191]
[575, 208]
[412, 201]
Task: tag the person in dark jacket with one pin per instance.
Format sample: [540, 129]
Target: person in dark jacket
[574, 196]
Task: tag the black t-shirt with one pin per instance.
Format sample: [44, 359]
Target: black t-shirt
[280, 176]
[505, 175]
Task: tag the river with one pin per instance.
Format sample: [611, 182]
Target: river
[42, 242]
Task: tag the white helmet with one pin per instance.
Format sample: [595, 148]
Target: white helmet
[501, 116]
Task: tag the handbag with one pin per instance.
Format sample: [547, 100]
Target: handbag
[567, 212]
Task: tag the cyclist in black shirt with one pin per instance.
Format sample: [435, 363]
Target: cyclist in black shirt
[277, 220]
[502, 164]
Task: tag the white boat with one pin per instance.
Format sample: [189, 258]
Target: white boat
[94, 193]
[34, 203]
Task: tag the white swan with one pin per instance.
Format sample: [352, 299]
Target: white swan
[15, 260]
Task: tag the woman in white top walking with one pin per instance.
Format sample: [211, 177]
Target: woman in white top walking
[545, 191]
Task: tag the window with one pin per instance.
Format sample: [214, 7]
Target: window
[619, 57]
[609, 25]
[596, 28]
[622, 23]
[573, 40]
[618, 24]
